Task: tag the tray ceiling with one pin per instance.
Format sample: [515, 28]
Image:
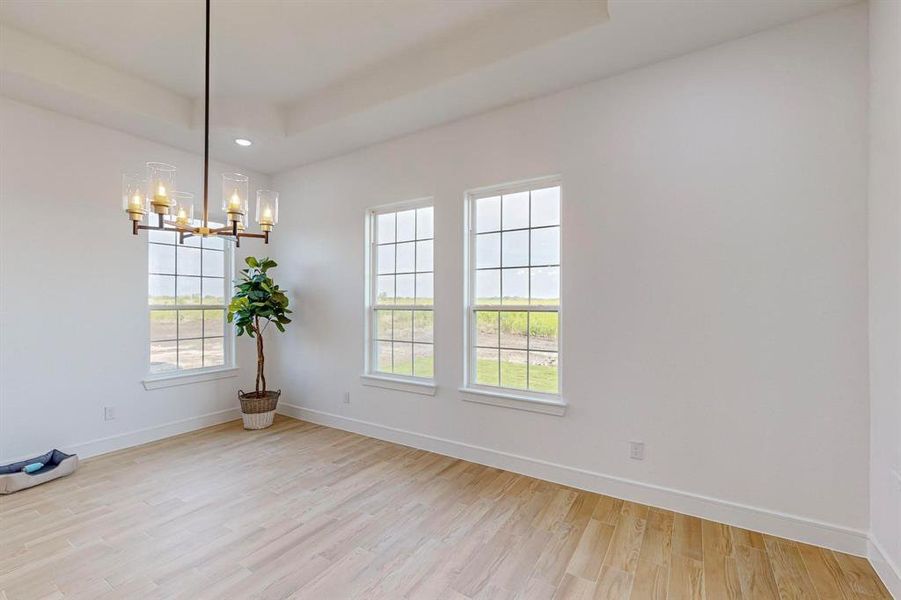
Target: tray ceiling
[310, 79]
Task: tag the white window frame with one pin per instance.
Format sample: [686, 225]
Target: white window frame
[371, 376]
[184, 376]
[533, 401]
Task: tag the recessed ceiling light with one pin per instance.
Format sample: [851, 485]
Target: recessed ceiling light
[243, 142]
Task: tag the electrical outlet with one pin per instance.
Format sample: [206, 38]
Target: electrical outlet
[346, 397]
[636, 450]
[109, 413]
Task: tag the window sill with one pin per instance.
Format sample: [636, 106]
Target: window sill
[164, 381]
[519, 402]
[401, 385]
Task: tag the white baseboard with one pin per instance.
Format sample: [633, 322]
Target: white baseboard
[128, 439]
[793, 527]
[888, 571]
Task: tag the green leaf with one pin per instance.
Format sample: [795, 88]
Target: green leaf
[257, 298]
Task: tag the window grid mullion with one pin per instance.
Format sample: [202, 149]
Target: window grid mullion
[190, 339]
[202, 314]
[373, 291]
[518, 307]
[499, 349]
[177, 318]
[528, 343]
[402, 307]
[187, 307]
[430, 239]
[508, 268]
[529, 292]
[515, 229]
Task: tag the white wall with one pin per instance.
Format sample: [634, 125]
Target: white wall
[715, 282]
[73, 292]
[885, 288]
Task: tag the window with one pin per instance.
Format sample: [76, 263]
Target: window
[401, 297]
[513, 309]
[188, 292]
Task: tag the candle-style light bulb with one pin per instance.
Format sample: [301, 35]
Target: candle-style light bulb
[267, 209]
[161, 183]
[137, 201]
[234, 196]
[161, 198]
[234, 202]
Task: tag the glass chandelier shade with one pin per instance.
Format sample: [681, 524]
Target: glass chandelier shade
[161, 184]
[134, 196]
[235, 194]
[182, 212]
[267, 209]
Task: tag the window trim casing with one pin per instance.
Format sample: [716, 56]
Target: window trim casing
[188, 377]
[229, 368]
[370, 376]
[541, 402]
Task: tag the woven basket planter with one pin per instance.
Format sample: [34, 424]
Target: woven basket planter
[258, 412]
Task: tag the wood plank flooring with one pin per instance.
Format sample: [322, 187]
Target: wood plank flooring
[303, 511]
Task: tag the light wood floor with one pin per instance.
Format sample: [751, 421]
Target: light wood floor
[303, 511]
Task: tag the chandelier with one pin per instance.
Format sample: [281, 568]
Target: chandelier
[156, 193]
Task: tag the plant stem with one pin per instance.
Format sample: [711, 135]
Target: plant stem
[261, 359]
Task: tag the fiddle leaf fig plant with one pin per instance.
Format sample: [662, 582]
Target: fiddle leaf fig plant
[257, 303]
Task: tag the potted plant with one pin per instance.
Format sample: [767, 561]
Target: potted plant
[258, 302]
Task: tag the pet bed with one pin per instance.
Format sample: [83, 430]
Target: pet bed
[56, 464]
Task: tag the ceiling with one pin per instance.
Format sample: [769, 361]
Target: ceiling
[309, 79]
[272, 50]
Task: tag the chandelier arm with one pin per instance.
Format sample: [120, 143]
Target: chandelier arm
[262, 236]
[166, 227]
